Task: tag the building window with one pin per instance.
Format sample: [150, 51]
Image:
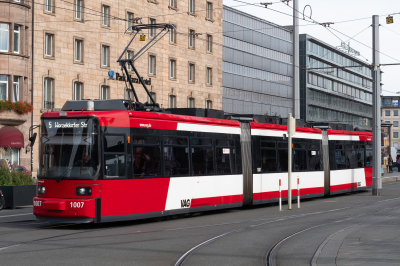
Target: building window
[49, 44]
[396, 145]
[395, 135]
[152, 31]
[105, 92]
[12, 156]
[153, 94]
[48, 93]
[172, 36]
[209, 43]
[78, 9]
[77, 91]
[3, 87]
[106, 16]
[191, 38]
[209, 10]
[104, 55]
[16, 89]
[191, 72]
[129, 55]
[78, 50]
[17, 34]
[172, 3]
[4, 37]
[209, 76]
[395, 112]
[49, 6]
[387, 112]
[190, 102]
[172, 101]
[152, 65]
[129, 20]
[172, 69]
[191, 6]
[395, 123]
[208, 104]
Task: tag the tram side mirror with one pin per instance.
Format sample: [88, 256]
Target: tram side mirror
[284, 137]
[33, 139]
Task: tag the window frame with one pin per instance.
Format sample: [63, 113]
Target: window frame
[49, 37]
[18, 33]
[179, 146]
[129, 20]
[172, 68]
[16, 85]
[209, 76]
[116, 153]
[159, 145]
[78, 3]
[105, 48]
[192, 73]
[5, 82]
[172, 99]
[209, 11]
[105, 15]
[152, 64]
[49, 6]
[172, 36]
[191, 102]
[191, 40]
[152, 31]
[192, 6]
[46, 102]
[209, 104]
[128, 66]
[7, 35]
[80, 42]
[107, 88]
[78, 85]
[209, 43]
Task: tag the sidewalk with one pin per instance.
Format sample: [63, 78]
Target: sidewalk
[389, 177]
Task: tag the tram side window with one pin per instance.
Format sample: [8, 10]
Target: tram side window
[176, 156]
[340, 157]
[360, 154]
[268, 156]
[202, 157]
[351, 157]
[147, 158]
[299, 156]
[283, 160]
[114, 155]
[314, 157]
[225, 153]
[368, 154]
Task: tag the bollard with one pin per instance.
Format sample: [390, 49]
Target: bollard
[280, 198]
[298, 193]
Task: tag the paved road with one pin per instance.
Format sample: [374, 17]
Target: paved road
[351, 229]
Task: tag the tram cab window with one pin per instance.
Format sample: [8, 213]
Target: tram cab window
[176, 156]
[146, 156]
[225, 155]
[202, 156]
[114, 156]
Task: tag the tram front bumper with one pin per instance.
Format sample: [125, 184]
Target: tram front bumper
[64, 208]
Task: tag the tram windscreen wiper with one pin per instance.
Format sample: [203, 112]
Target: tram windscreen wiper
[68, 169]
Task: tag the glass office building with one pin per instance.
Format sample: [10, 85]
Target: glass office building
[333, 94]
[257, 65]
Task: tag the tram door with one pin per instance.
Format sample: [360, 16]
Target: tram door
[245, 142]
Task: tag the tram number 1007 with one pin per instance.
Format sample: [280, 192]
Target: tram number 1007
[77, 204]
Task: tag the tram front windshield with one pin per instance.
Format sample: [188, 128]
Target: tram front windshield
[69, 148]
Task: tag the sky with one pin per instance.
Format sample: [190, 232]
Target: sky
[339, 11]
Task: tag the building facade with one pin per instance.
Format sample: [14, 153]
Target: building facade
[78, 42]
[333, 94]
[390, 114]
[15, 79]
[257, 65]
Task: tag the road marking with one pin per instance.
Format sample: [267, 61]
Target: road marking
[16, 215]
[9, 247]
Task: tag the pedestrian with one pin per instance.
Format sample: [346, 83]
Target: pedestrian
[390, 163]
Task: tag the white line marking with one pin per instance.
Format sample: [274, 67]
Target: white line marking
[16, 215]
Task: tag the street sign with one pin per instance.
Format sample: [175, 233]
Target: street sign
[389, 20]
[142, 37]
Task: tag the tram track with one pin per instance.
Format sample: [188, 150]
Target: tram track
[181, 261]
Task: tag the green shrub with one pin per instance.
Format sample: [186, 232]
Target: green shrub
[15, 178]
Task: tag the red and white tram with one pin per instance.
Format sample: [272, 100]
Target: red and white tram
[112, 163]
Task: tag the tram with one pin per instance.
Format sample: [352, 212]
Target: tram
[103, 161]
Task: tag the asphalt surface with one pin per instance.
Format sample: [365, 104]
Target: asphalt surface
[349, 229]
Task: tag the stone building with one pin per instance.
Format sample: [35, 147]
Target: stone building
[78, 42]
[15, 78]
[390, 115]
[257, 65]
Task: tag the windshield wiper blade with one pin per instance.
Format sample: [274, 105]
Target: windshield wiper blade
[66, 171]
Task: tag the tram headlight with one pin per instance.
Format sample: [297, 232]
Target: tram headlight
[41, 190]
[83, 191]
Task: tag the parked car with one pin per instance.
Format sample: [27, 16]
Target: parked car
[20, 168]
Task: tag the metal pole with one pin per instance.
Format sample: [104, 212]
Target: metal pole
[280, 196]
[296, 61]
[376, 113]
[298, 193]
[290, 163]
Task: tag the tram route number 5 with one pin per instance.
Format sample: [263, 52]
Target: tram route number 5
[77, 204]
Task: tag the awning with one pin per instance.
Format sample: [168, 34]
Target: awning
[11, 137]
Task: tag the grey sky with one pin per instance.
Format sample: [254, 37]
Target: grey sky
[342, 10]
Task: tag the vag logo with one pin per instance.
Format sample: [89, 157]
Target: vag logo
[185, 203]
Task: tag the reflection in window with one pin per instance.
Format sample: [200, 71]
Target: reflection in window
[176, 161]
[268, 160]
[147, 160]
[114, 143]
[283, 160]
[225, 160]
[202, 160]
[299, 160]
